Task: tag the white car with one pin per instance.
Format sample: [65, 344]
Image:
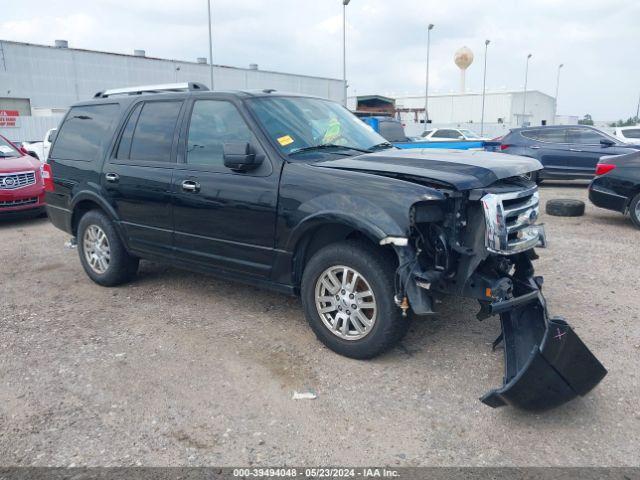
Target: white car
[628, 134]
[451, 135]
[46, 144]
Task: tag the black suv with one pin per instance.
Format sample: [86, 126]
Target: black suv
[296, 194]
[566, 152]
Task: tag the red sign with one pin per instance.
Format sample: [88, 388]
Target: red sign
[8, 118]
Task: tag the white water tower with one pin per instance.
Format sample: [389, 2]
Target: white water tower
[463, 58]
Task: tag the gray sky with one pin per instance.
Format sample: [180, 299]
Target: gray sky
[597, 40]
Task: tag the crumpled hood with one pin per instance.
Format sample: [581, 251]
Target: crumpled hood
[462, 169]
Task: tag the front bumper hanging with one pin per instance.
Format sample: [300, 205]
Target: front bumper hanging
[546, 363]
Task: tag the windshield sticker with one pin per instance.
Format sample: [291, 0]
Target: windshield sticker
[286, 140]
[333, 132]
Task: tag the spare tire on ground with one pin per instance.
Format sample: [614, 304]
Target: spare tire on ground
[564, 207]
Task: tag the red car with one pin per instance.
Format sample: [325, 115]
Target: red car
[21, 181]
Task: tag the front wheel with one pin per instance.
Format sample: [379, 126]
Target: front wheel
[348, 299]
[102, 254]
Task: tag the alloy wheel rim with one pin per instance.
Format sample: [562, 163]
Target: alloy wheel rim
[96, 248]
[638, 210]
[345, 302]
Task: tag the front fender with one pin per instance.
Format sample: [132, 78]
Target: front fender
[352, 211]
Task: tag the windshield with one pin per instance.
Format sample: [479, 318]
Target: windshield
[296, 124]
[7, 150]
[469, 134]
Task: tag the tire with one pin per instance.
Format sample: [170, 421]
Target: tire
[377, 274]
[120, 266]
[564, 207]
[534, 177]
[634, 210]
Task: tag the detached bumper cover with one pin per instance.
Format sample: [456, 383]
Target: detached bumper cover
[546, 363]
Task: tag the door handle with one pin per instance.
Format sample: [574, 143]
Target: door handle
[574, 150]
[534, 147]
[112, 177]
[190, 186]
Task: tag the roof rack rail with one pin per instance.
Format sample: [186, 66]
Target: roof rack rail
[166, 87]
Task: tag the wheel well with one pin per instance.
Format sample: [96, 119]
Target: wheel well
[323, 235]
[79, 210]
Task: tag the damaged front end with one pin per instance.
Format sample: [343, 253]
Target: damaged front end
[480, 245]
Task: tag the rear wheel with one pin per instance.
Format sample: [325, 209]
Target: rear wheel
[634, 210]
[102, 254]
[348, 299]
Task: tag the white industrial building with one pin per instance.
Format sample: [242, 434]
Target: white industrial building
[502, 110]
[39, 82]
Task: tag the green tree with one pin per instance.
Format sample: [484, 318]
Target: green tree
[629, 122]
[587, 120]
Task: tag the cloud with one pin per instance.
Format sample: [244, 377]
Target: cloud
[386, 41]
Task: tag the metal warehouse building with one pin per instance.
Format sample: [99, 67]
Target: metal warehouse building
[503, 110]
[39, 82]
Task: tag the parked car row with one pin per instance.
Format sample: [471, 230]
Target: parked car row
[565, 152]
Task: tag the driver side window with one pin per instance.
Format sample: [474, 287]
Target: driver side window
[584, 136]
[214, 123]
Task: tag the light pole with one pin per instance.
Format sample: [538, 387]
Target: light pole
[344, 48]
[557, 88]
[484, 86]
[426, 83]
[210, 45]
[524, 99]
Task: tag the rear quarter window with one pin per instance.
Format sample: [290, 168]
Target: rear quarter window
[86, 132]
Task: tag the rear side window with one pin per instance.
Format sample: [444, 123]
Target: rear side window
[446, 134]
[85, 132]
[153, 130]
[551, 135]
[631, 133]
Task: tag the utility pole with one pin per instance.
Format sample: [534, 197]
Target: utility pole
[524, 99]
[557, 89]
[426, 86]
[484, 86]
[210, 46]
[344, 49]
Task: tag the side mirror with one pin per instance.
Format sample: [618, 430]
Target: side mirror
[239, 156]
[33, 154]
[605, 142]
[460, 137]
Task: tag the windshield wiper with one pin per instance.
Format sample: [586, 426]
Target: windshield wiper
[324, 146]
[381, 146]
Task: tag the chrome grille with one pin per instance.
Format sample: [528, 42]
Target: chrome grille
[11, 181]
[17, 203]
[510, 221]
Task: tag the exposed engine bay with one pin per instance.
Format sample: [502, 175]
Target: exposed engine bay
[480, 244]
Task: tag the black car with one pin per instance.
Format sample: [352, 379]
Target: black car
[296, 194]
[566, 151]
[617, 185]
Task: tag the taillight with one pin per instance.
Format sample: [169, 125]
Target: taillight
[504, 146]
[47, 176]
[603, 168]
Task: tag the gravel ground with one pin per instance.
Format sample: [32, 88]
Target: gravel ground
[182, 369]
